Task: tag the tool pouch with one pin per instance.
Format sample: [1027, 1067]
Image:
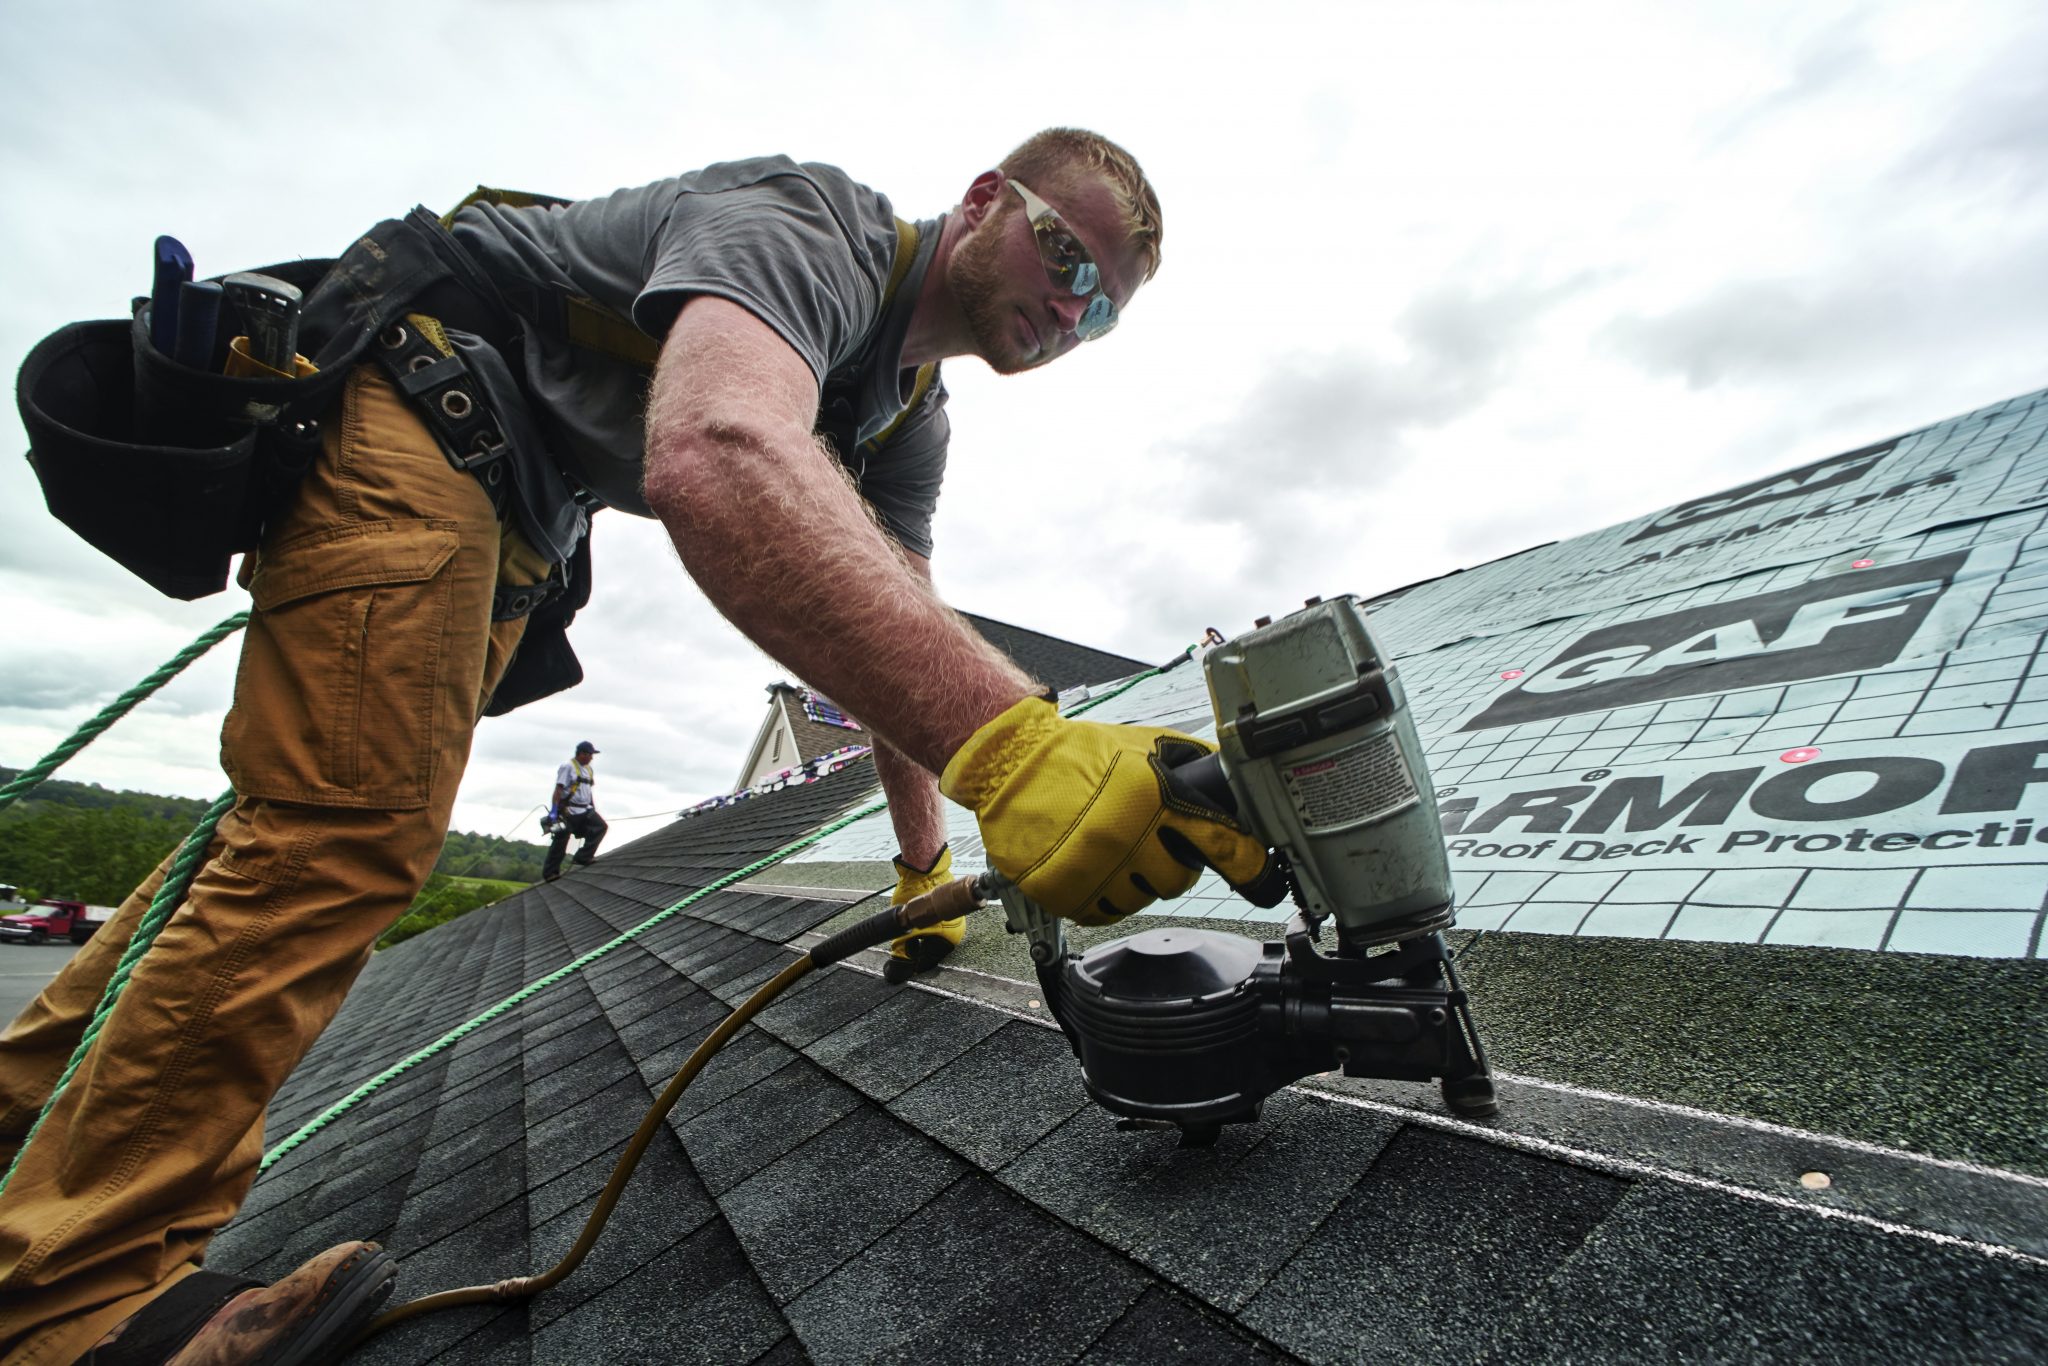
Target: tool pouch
[167, 469]
[171, 470]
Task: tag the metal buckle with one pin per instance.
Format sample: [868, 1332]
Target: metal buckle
[486, 449]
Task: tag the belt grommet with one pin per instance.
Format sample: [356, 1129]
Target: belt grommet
[418, 363]
[495, 475]
[392, 337]
[456, 404]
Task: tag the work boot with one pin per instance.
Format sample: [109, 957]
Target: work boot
[207, 1319]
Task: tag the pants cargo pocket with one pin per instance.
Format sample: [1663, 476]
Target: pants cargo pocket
[337, 699]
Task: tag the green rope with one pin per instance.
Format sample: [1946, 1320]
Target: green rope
[470, 1026]
[1133, 681]
[192, 853]
[168, 898]
[118, 708]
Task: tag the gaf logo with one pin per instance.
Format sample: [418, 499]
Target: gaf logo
[1844, 623]
[1821, 474]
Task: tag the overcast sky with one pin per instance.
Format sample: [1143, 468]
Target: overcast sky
[1441, 281]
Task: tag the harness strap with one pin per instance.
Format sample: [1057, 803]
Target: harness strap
[509, 604]
[926, 373]
[586, 323]
[417, 355]
[448, 399]
[504, 199]
[906, 253]
[592, 326]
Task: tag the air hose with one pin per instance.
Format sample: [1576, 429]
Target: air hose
[955, 898]
[947, 902]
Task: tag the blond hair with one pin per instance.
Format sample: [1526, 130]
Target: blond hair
[1059, 156]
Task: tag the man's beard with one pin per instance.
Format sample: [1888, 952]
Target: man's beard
[977, 278]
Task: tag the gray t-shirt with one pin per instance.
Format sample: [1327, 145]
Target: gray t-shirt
[803, 247]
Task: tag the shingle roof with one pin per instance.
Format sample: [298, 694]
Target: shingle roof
[883, 1173]
[1061, 664]
[813, 738]
[878, 1173]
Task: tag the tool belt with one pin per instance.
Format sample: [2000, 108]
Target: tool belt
[172, 470]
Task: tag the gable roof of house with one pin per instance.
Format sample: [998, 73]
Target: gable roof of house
[810, 736]
[1061, 664]
[1685, 1045]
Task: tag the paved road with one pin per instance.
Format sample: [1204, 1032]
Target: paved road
[23, 970]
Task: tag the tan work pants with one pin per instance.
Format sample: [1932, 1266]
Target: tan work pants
[369, 655]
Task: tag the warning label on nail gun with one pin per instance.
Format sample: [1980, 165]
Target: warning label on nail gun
[1356, 784]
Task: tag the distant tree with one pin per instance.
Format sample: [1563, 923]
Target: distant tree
[96, 855]
[85, 841]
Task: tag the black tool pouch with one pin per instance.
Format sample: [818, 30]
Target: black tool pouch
[167, 469]
[172, 471]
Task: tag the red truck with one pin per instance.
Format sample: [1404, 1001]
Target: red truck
[53, 915]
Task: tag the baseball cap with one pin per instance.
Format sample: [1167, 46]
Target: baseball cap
[587, 745]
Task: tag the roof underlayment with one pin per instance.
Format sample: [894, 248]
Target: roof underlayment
[1807, 713]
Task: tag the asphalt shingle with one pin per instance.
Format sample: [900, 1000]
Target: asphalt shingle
[737, 1137]
[968, 1278]
[1218, 1221]
[1437, 1240]
[806, 1213]
[902, 1041]
[1027, 1071]
[723, 1316]
[1677, 1273]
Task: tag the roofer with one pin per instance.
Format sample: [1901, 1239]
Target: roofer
[573, 811]
[795, 435]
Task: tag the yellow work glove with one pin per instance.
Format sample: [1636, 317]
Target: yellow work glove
[921, 951]
[1087, 819]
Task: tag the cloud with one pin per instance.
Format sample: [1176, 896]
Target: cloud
[43, 682]
[1827, 64]
[1893, 313]
[1995, 131]
[1344, 417]
[1756, 328]
[1278, 496]
[1302, 485]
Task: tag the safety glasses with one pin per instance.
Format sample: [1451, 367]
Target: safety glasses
[1069, 265]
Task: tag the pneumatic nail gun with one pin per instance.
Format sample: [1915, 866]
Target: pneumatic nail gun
[1317, 754]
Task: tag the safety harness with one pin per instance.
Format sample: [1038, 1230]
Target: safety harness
[171, 470]
[416, 353]
[581, 780]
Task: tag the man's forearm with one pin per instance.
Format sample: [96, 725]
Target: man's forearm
[915, 807]
[780, 544]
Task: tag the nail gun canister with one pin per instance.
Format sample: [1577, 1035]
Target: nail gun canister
[1321, 752]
